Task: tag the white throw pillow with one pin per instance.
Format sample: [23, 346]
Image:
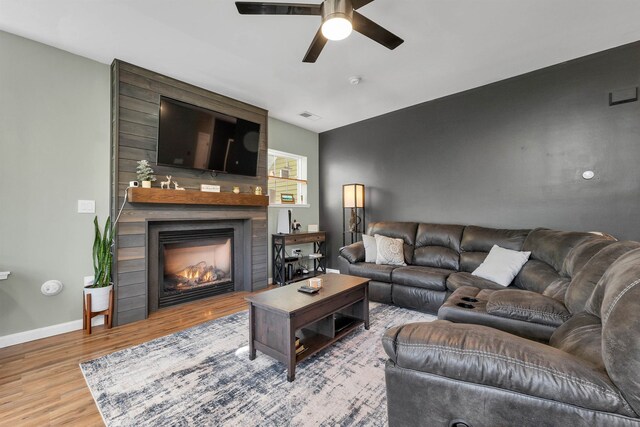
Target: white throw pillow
[501, 265]
[389, 250]
[370, 248]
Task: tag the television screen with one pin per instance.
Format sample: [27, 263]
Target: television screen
[197, 138]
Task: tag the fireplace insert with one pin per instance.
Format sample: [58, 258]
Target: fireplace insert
[194, 264]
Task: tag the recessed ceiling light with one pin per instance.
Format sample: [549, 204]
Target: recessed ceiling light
[355, 80]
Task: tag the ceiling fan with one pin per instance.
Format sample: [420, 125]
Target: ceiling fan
[339, 18]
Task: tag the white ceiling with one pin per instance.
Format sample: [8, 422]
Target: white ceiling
[450, 46]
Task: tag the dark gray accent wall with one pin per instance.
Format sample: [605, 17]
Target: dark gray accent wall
[509, 154]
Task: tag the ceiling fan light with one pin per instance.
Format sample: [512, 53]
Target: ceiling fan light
[336, 28]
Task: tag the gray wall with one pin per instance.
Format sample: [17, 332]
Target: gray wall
[292, 139]
[54, 150]
[509, 154]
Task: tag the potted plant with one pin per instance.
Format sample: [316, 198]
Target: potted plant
[102, 257]
[145, 173]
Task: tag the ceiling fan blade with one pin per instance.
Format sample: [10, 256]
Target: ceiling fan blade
[375, 32]
[357, 4]
[262, 8]
[316, 47]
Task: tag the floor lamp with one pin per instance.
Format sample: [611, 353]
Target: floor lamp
[352, 213]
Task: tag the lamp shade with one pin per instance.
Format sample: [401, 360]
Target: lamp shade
[353, 195]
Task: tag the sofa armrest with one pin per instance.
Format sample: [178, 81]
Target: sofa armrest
[528, 306]
[490, 357]
[353, 253]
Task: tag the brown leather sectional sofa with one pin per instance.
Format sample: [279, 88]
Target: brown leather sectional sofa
[577, 299]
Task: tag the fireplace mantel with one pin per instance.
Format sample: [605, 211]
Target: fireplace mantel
[191, 197]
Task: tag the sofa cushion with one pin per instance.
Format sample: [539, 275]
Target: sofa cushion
[421, 277]
[501, 265]
[528, 306]
[353, 253]
[557, 289]
[370, 248]
[379, 272]
[481, 239]
[380, 292]
[585, 281]
[581, 336]
[582, 253]
[436, 256]
[482, 355]
[620, 320]
[469, 261]
[445, 235]
[536, 276]
[552, 247]
[398, 230]
[420, 299]
[389, 251]
[460, 279]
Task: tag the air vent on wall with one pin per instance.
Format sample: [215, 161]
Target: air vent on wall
[310, 116]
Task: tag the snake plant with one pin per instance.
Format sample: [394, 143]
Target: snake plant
[102, 254]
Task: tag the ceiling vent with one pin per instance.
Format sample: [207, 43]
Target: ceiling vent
[310, 116]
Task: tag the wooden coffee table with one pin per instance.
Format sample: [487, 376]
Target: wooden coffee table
[278, 316]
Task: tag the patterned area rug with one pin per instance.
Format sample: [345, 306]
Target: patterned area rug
[203, 376]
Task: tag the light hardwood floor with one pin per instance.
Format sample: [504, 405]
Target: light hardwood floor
[41, 383]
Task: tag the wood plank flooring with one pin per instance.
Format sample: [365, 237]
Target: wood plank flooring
[41, 383]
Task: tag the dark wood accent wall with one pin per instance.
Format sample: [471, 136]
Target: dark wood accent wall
[135, 110]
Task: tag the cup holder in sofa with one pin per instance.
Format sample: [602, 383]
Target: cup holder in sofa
[463, 305]
[469, 299]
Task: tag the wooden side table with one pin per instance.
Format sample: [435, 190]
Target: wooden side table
[279, 243]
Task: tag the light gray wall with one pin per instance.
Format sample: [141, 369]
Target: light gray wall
[510, 154]
[293, 139]
[54, 150]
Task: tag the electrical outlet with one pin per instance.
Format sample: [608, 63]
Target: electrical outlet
[86, 206]
[88, 280]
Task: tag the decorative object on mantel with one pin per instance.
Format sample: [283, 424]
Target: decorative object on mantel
[236, 190]
[210, 188]
[145, 173]
[4, 275]
[353, 207]
[167, 182]
[258, 191]
[176, 186]
[98, 297]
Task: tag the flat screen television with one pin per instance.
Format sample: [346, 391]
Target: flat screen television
[197, 138]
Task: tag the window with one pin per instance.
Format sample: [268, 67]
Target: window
[288, 177]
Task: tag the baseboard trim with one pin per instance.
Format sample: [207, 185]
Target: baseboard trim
[47, 331]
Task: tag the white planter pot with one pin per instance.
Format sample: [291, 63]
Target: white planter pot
[99, 297]
[146, 184]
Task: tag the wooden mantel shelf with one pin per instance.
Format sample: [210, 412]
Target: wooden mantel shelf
[191, 197]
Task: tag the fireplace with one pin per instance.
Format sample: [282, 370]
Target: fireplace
[189, 260]
[195, 264]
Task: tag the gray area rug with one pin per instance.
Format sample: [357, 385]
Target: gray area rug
[202, 376]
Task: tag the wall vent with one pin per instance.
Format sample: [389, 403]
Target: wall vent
[310, 116]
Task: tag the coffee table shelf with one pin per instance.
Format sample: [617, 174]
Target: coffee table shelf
[315, 341]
